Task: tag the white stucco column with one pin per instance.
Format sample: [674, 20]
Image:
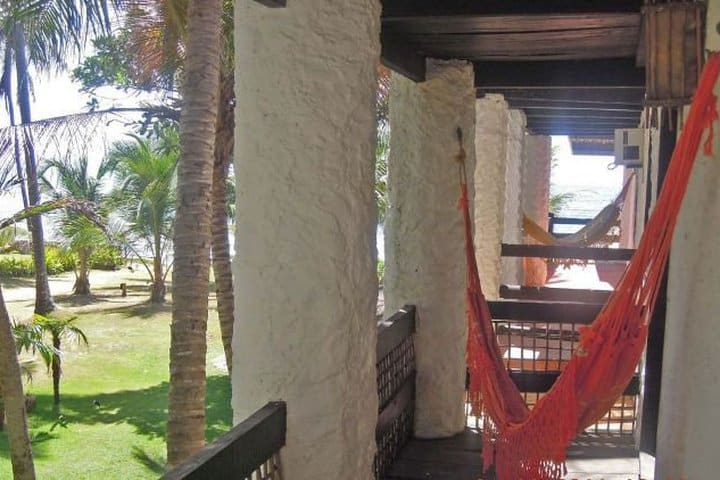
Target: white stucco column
[491, 143]
[689, 418]
[424, 239]
[512, 230]
[305, 278]
[536, 165]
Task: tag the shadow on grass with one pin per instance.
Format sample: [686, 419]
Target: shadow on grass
[144, 409]
[17, 282]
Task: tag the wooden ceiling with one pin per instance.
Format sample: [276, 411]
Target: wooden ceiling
[570, 65]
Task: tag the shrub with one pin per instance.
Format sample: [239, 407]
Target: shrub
[106, 258]
[14, 265]
[59, 260]
[380, 271]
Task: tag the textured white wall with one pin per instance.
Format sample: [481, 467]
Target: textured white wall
[512, 230]
[689, 419]
[424, 242]
[536, 164]
[305, 281]
[489, 213]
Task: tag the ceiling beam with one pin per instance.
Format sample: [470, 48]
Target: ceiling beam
[467, 24]
[402, 57]
[273, 3]
[618, 73]
[409, 8]
[600, 97]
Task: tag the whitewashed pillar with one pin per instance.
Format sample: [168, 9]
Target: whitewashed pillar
[512, 231]
[491, 143]
[537, 163]
[305, 278]
[424, 242]
[689, 420]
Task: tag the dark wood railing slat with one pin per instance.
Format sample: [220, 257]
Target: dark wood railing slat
[562, 251]
[541, 382]
[552, 294]
[393, 331]
[543, 312]
[240, 452]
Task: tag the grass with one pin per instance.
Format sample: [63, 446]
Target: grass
[112, 418]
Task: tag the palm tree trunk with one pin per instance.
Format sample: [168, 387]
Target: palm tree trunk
[158, 286]
[82, 282]
[186, 409]
[14, 399]
[7, 67]
[56, 370]
[43, 299]
[224, 140]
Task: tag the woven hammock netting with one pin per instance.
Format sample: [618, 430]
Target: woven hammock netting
[530, 444]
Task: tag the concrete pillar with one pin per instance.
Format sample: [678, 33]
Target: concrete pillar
[689, 419]
[305, 279]
[512, 230]
[536, 165]
[490, 170]
[424, 240]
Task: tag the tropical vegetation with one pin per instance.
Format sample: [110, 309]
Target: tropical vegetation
[144, 201]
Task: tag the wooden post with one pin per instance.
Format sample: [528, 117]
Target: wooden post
[656, 335]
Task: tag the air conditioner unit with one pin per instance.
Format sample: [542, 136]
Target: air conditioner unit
[629, 147]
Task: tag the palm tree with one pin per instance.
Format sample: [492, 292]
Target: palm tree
[186, 405]
[145, 172]
[59, 330]
[150, 57]
[11, 389]
[42, 33]
[71, 179]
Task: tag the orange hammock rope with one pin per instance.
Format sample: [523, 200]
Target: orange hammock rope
[526, 444]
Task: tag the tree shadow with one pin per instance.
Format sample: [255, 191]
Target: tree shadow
[144, 409]
[17, 282]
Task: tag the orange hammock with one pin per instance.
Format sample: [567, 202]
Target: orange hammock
[526, 444]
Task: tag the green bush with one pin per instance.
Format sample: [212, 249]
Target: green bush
[59, 260]
[14, 265]
[380, 271]
[106, 258]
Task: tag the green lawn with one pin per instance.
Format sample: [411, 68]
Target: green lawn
[125, 370]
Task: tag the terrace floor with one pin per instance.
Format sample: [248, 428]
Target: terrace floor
[591, 457]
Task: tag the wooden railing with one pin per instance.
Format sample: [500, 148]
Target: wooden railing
[396, 387]
[250, 451]
[539, 328]
[554, 221]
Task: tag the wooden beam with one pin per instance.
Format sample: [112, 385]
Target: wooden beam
[554, 294]
[541, 382]
[618, 73]
[544, 312]
[402, 57]
[410, 8]
[608, 42]
[393, 331]
[509, 23]
[273, 3]
[241, 451]
[556, 251]
[608, 96]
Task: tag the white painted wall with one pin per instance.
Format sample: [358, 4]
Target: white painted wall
[424, 240]
[305, 281]
[512, 231]
[489, 213]
[689, 418]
